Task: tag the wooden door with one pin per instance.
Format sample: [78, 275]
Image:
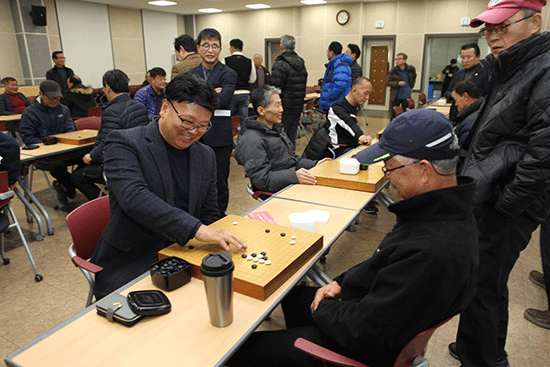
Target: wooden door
[378, 71]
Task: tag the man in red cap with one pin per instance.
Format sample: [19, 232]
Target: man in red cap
[509, 156]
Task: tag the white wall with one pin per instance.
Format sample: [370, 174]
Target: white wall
[159, 32]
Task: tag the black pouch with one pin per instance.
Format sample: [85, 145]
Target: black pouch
[149, 303]
[116, 308]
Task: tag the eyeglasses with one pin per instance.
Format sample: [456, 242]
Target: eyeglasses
[386, 171]
[499, 29]
[207, 46]
[188, 126]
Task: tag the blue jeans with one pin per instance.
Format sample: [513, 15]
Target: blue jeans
[239, 107]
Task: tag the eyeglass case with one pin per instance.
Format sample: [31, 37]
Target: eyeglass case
[115, 308]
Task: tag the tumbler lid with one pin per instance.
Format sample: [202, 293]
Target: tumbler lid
[217, 264]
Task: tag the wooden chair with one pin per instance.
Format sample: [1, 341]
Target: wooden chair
[90, 123]
[6, 194]
[86, 224]
[412, 355]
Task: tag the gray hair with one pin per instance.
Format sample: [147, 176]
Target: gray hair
[288, 42]
[445, 167]
[258, 54]
[262, 96]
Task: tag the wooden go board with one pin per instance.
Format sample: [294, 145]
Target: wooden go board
[79, 137]
[262, 281]
[328, 174]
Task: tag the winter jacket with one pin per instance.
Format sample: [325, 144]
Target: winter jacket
[267, 156]
[423, 272]
[150, 99]
[465, 119]
[393, 79]
[290, 75]
[343, 123]
[6, 107]
[79, 99]
[39, 121]
[508, 147]
[52, 74]
[337, 81]
[10, 161]
[356, 71]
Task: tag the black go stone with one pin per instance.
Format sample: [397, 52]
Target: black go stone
[254, 255]
[265, 257]
[254, 266]
[283, 234]
[243, 256]
[263, 253]
[267, 230]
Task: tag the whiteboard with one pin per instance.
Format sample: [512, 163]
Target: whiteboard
[159, 32]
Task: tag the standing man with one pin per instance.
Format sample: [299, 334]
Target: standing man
[289, 74]
[152, 95]
[60, 73]
[223, 80]
[246, 75]
[355, 52]
[186, 52]
[468, 104]
[508, 155]
[337, 80]
[401, 80]
[262, 74]
[448, 73]
[11, 101]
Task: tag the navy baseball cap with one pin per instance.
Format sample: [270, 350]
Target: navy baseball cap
[421, 133]
[51, 89]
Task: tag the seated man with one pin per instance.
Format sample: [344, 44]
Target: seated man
[265, 150]
[342, 115]
[120, 113]
[152, 95]
[423, 272]
[10, 157]
[11, 101]
[162, 186]
[45, 117]
[79, 98]
[465, 95]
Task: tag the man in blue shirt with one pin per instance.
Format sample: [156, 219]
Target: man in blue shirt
[153, 94]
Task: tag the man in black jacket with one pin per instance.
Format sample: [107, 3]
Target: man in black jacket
[289, 74]
[509, 156]
[355, 52]
[79, 98]
[11, 101]
[422, 273]
[60, 73]
[120, 113]
[468, 105]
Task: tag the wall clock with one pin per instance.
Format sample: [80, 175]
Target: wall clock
[342, 17]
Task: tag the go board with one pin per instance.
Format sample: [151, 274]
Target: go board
[328, 174]
[259, 282]
[79, 137]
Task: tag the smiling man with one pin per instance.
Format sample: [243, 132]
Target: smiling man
[265, 150]
[162, 186]
[508, 155]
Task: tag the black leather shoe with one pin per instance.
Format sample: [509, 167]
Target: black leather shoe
[502, 360]
[453, 351]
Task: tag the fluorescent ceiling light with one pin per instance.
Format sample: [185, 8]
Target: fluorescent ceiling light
[162, 3]
[210, 10]
[258, 6]
[313, 2]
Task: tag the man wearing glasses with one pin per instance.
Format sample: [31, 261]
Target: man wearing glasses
[423, 272]
[223, 79]
[162, 186]
[509, 156]
[152, 95]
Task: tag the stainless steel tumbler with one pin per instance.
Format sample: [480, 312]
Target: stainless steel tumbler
[217, 274]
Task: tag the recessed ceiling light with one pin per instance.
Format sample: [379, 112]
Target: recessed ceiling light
[313, 2]
[258, 6]
[162, 3]
[210, 10]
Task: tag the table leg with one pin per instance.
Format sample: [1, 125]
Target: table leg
[30, 195]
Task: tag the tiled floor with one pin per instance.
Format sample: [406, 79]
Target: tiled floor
[29, 309]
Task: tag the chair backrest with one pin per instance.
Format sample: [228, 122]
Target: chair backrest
[312, 89]
[308, 107]
[398, 110]
[90, 123]
[95, 111]
[411, 103]
[4, 187]
[422, 98]
[87, 223]
[236, 121]
[133, 90]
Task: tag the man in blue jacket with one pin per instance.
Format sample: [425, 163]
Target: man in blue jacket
[45, 117]
[337, 80]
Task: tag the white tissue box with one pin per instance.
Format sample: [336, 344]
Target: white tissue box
[321, 216]
[303, 221]
[349, 166]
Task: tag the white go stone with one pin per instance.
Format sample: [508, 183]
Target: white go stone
[268, 262]
[249, 257]
[292, 242]
[261, 261]
[255, 259]
[235, 223]
[294, 237]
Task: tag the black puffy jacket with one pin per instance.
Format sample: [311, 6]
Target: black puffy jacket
[509, 145]
[290, 75]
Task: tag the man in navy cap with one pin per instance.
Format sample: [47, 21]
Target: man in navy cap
[509, 156]
[423, 272]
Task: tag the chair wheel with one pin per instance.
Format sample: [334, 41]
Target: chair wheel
[39, 237]
[56, 207]
[6, 261]
[323, 259]
[351, 228]
[38, 278]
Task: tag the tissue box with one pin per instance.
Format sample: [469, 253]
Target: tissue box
[349, 166]
[321, 216]
[303, 221]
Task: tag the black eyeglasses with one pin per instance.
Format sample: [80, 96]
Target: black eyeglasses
[499, 29]
[189, 126]
[386, 171]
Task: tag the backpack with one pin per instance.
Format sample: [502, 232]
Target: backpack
[317, 148]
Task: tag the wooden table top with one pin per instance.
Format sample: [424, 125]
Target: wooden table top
[328, 174]
[10, 117]
[326, 195]
[48, 150]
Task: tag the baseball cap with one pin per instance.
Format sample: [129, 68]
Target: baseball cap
[51, 89]
[500, 10]
[421, 133]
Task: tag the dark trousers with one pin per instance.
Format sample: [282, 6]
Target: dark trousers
[239, 107]
[545, 254]
[483, 325]
[86, 185]
[290, 123]
[223, 161]
[399, 102]
[59, 171]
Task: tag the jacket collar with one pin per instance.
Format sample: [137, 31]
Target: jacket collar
[470, 109]
[252, 123]
[118, 99]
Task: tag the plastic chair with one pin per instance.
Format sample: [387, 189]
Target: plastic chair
[411, 103]
[398, 110]
[412, 355]
[6, 194]
[95, 111]
[306, 119]
[90, 123]
[257, 194]
[133, 90]
[86, 224]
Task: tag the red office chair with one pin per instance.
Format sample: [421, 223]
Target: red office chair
[398, 110]
[95, 111]
[412, 355]
[306, 119]
[257, 194]
[90, 123]
[312, 89]
[133, 90]
[236, 128]
[411, 103]
[86, 224]
[421, 99]
[5, 197]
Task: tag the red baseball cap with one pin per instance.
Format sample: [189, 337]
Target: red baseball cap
[500, 10]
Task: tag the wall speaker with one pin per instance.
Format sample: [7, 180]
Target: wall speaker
[38, 14]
